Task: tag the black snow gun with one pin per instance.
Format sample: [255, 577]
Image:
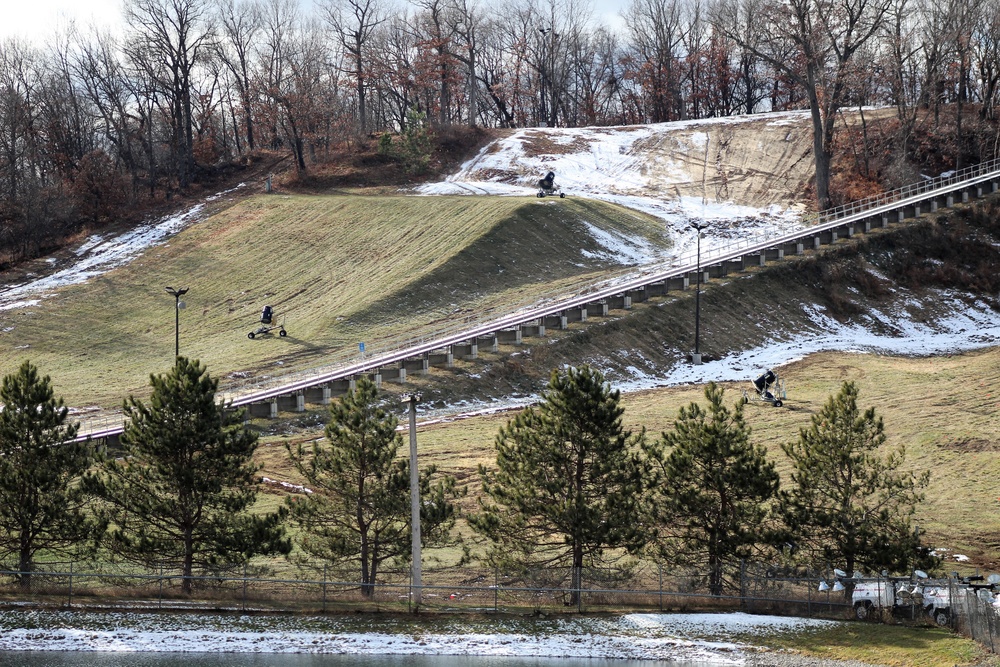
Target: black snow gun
[267, 324]
[547, 186]
[767, 388]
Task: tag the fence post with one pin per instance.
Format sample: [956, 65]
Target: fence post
[160, 597]
[70, 604]
[809, 598]
[579, 590]
[743, 584]
[324, 587]
[244, 585]
[659, 577]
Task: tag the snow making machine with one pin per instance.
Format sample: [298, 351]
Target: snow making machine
[267, 324]
[768, 388]
[547, 186]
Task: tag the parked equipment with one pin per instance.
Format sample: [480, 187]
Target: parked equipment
[768, 388]
[906, 597]
[547, 186]
[267, 324]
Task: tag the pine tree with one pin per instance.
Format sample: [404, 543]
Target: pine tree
[712, 488]
[850, 505]
[358, 512]
[568, 481]
[182, 491]
[42, 508]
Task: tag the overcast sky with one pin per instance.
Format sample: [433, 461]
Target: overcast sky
[36, 20]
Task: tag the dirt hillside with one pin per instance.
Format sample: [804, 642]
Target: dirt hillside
[754, 161]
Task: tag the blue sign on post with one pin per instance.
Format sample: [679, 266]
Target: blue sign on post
[361, 347]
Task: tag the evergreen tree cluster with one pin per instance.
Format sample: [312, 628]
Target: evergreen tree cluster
[571, 488]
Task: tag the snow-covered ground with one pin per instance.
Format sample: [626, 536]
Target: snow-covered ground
[723, 639]
[101, 253]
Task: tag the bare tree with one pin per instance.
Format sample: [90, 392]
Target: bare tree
[169, 40]
[354, 23]
[466, 20]
[812, 42]
[657, 33]
[240, 27]
[902, 44]
[987, 56]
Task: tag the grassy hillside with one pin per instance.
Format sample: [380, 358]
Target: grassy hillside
[340, 269]
[942, 409]
[344, 269]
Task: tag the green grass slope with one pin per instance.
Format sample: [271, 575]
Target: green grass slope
[339, 269]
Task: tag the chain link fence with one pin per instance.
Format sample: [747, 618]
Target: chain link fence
[968, 606]
[975, 612]
[639, 587]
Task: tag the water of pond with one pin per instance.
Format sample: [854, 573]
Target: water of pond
[100, 659]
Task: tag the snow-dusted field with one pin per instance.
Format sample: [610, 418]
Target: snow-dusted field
[719, 638]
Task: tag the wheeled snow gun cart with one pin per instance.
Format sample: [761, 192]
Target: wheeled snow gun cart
[547, 186]
[768, 388]
[267, 324]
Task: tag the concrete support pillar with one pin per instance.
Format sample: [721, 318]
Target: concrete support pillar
[993, 186]
[949, 200]
[687, 282]
[496, 344]
[800, 248]
[518, 336]
[816, 243]
[274, 408]
[449, 360]
[868, 226]
[352, 384]
[833, 236]
[402, 373]
[885, 221]
[326, 395]
[762, 259]
[979, 191]
[541, 328]
[474, 349]
[916, 210]
[583, 313]
[934, 205]
[378, 380]
[965, 196]
[628, 302]
[300, 402]
[900, 215]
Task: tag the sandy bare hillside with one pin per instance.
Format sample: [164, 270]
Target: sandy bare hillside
[760, 161]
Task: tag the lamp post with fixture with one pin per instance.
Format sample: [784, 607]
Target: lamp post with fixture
[696, 357]
[412, 400]
[178, 305]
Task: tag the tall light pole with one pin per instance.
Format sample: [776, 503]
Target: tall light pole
[696, 357]
[178, 304]
[412, 401]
